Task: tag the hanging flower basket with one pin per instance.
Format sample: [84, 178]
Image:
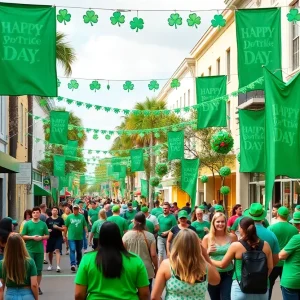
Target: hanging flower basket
[221, 142]
[204, 179]
[225, 190]
[154, 181]
[225, 171]
[161, 169]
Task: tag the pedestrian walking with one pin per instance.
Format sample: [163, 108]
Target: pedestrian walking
[202, 227]
[129, 213]
[186, 273]
[84, 212]
[6, 228]
[27, 217]
[296, 220]
[44, 217]
[116, 218]
[94, 236]
[157, 210]
[151, 218]
[93, 212]
[275, 208]
[111, 272]
[236, 213]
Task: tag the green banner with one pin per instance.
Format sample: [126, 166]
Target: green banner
[82, 179]
[63, 182]
[123, 171]
[252, 140]
[116, 168]
[116, 176]
[189, 176]
[211, 113]
[28, 51]
[59, 127]
[54, 195]
[144, 188]
[175, 145]
[110, 170]
[137, 160]
[122, 187]
[59, 165]
[282, 129]
[258, 35]
[70, 150]
[70, 178]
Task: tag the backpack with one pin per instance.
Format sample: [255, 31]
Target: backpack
[254, 272]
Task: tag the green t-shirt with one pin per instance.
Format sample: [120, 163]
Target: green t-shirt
[236, 223]
[96, 228]
[149, 226]
[35, 228]
[93, 214]
[199, 228]
[133, 276]
[135, 203]
[30, 271]
[166, 222]
[129, 215]
[291, 269]
[75, 225]
[157, 211]
[284, 231]
[121, 222]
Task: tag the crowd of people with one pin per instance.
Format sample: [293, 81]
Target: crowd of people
[188, 252]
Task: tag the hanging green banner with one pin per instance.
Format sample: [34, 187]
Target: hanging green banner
[252, 140]
[211, 113]
[189, 176]
[175, 145]
[258, 35]
[137, 160]
[62, 182]
[54, 195]
[28, 50]
[109, 170]
[123, 171]
[59, 165]
[70, 150]
[122, 188]
[144, 188]
[282, 129]
[59, 127]
[82, 179]
[116, 176]
[70, 178]
[116, 168]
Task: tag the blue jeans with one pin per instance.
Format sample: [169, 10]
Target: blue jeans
[222, 290]
[237, 294]
[290, 294]
[75, 246]
[19, 294]
[85, 241]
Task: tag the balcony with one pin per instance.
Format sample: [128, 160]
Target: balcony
[253, 100]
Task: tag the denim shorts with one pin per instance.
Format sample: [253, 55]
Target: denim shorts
[237, 294]
[161, 246]
[19, 294]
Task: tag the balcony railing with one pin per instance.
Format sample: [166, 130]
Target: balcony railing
[253, 98]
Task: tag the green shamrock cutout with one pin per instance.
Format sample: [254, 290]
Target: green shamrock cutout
[218, 21]
[107, 137]
[63, 16]
[97, 151]
[70, 101]
[58, 82]
[90, 17]
[137, 24]
[95, 85]
[107, 109]
[88, 130]
[175, 83]
[128, 86]
[153, 85]
[117, 18]
[95, 136]
[193, 20]
[126, 111]
[73, 84]
[98, 107]
[43, 102]
[59, 98]
[90, 152]
[293, 15]
[79, 103]
[88, 105]
[116, 110]
[175, 20]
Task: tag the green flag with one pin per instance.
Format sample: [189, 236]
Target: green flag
[109, 170]
[70, 178]
[258, 35]
[59, 165]
[82, 179]
[116, 168]
[28, 51]
[70, 150]
[144, 188]
[122, 187]
[252, 140]
[137, 160]
[54, 195]
[59, 127]
[211, 113]
[282, 129]
[175, 145]
[62, 182]
[116, 175]
[123, 171]
[189, 176]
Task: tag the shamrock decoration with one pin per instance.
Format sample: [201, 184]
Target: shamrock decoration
[43, 102]
[79, 103]
[88, 105]
[293, 15]
[218, 21]
[95, 85]
[128, 86]
[95, 136]
[98, 107]
[175, 20]
[107, 137]
[90, 17]
[73, 84]
[58, 82]
[126, 111]
[117, 18]
[137, 24]
[175, 83]
[153, 85]
[70, 101]
[63, 16]
[193, 20]
[59, 98]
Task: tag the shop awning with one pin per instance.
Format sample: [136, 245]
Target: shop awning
[39, 191]
[8, 164]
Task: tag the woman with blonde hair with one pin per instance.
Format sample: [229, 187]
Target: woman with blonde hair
[94, 236]
[186, 273]
[217, 243]
[18, 271]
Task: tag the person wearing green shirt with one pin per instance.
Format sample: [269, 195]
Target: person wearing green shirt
[115, 218]
[94, 236]
[114, 273]
[93, 212]
[33, 233]
[157, 210]
[202, 227]
[130, 213]
[135, 204]
[296, 220]
[75, 226]
[149, 226]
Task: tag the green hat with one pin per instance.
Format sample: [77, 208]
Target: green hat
[219, 207]
[115, 208]
[297, 207]
[296, 218]
[202, 207]
[182, 214]
[255, 212]
[14, 222]
[283, 211]
[144, 209]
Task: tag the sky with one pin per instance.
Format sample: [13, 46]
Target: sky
[119, 53]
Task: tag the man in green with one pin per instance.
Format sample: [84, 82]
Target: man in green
[75, 228]
[130, 213]
[93, 212]
[34, 232]
[284, 231]
[115, 218]
[157, 210]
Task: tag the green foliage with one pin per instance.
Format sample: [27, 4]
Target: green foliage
[225, 190]
[95, 85]
[73, 84]
[137, 24]
[63, 16]
[154, 181]
[225, 171]
[117, 18]
[90, 17]
[193, 20]
[175, 20]
[293, 15]
[218, 21]
[222, 142]
[204, 179]
[161, 169]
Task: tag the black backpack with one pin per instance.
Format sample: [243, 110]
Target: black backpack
[254, 273]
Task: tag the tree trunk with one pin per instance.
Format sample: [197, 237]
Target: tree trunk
[151, 200]
[13, 143]
[30, 137]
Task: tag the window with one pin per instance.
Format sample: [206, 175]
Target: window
[21, 124]
[184, 100]
[26, 128]
[228, 64]
[189, 97]
[209, 71]
[295, 46]
[180, 102]
[218, 66]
